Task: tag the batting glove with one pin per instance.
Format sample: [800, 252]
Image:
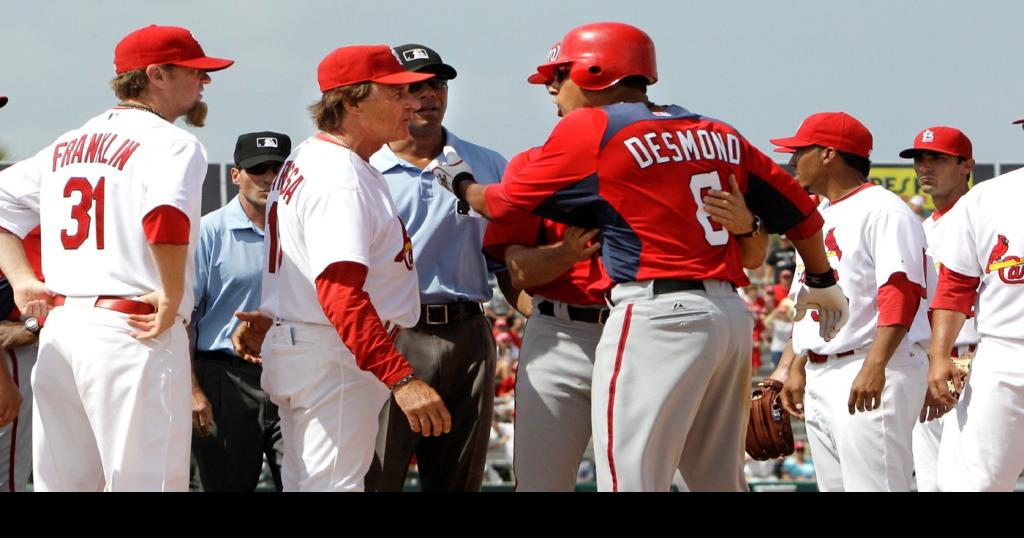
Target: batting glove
[832, 306]
[452, 172]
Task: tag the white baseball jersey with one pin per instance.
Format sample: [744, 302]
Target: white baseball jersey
[328, 205]
[985, 239]
[92, 187]
[969, 333]
[870, 234]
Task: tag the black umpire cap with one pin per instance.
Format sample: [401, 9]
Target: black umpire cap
[3, 101]
[262, 147]
[424, 59]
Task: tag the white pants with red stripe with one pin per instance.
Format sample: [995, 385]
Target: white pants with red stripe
[671, 389]
[866, 451]
[328, 407]
[16, 437]
[983, 438]
[111, 412]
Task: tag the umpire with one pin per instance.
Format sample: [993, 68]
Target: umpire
[234, 421]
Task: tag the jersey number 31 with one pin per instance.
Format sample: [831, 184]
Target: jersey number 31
[88, 197]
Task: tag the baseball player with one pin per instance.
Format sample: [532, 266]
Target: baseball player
[978, 246]
[339, 279]
[943, 163]
[19, 349]
[864, 388]
[678, 335]
[118, 201]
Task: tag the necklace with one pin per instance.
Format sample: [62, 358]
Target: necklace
[337, 139]
[140, 106]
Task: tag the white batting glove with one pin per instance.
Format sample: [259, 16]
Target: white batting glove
[452, 170]
[832, 306]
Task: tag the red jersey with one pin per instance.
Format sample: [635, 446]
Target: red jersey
[640, 176]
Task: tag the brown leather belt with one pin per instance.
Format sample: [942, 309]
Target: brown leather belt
[117, 304]
[818, 359]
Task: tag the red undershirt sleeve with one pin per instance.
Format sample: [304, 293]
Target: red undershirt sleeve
[339, 289]
[898, 301]
[955, 292]
[166, 225]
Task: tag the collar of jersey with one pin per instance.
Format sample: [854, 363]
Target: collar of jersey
[866, 185]
[235, 217]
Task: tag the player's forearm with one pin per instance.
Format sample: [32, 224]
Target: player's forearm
[781, 372]
[887, 339]
[13, 262]
[518, 298]
[798, 363]
[946, 325]
[754, 250]
[474, 196]
[529, 267]
[812, 252]
[170, 265]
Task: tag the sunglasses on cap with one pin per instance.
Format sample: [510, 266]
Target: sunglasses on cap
[260, 169]
[435, 84]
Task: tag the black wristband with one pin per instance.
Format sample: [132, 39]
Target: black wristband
[458, 182]
[820, 280]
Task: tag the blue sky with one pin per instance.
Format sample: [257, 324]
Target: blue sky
[898, 66]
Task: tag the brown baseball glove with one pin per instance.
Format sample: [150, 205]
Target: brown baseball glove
[769, 433]
[962, 363]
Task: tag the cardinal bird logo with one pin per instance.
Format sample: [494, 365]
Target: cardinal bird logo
[832, 246]
[1011, 268]
[998, 251]
[405, 255]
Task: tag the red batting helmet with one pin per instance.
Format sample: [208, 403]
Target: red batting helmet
[599, 55]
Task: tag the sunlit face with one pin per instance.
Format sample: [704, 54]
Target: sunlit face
[388, 111]
[941, 174]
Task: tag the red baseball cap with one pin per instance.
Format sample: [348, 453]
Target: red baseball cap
[364, 63]
[3, 101]
[163, 45]
[1018, 122]
[837, 130]
[941, 140]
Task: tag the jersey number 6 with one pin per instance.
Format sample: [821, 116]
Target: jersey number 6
[88, 195]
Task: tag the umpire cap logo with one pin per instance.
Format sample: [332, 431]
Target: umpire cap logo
[267, 142]
[415, 54]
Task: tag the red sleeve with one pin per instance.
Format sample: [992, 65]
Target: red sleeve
[898, 300]
[550, 175]
[772, 194]
[339, 289]
[166, 225]
[955, 292]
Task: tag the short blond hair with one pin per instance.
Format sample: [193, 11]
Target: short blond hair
[330, 109]
[130, 84]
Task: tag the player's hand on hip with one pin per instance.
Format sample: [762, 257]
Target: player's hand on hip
[149, 326]
[10, 400]
[424, 408]
[941, 374]
[33, 299]
[576, 244]
[247, 340]
[832, 306]
[729, 209]
[792, 395]
[866, 392]
[449, 170]
[202, 412]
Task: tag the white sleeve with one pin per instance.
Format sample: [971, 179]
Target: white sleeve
[337, 228]
[174, 176]
[953, 241]
[19, 194]
[898, 246]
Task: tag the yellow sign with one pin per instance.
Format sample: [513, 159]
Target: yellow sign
[901, 180]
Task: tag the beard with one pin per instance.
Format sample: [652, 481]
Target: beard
[196, 116]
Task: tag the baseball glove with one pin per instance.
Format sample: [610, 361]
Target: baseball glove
[962, 363]
[769, 433]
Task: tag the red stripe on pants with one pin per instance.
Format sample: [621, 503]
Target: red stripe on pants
[14, 425]
[611, 395]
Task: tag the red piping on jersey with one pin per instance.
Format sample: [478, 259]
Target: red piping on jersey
[166, 225]
[863, 186]
[611, 395]
[955, 292]
[14, 426]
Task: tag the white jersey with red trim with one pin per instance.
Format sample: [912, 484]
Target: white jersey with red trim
[870, 234]
[91, 188]
[982, 237]
[969, 333]
[328, 205]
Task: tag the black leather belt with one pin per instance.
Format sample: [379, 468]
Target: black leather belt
[442, 314]
[589, 315]
[666, 285]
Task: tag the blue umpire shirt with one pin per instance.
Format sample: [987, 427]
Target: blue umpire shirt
[229, 263]
[446, 244]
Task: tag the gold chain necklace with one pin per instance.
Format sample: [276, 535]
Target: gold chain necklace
[140, 106]
[338, 140]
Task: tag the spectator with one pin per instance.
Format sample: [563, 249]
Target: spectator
[780, 326]
[781, 289]
[782, 257]
[797, 467]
